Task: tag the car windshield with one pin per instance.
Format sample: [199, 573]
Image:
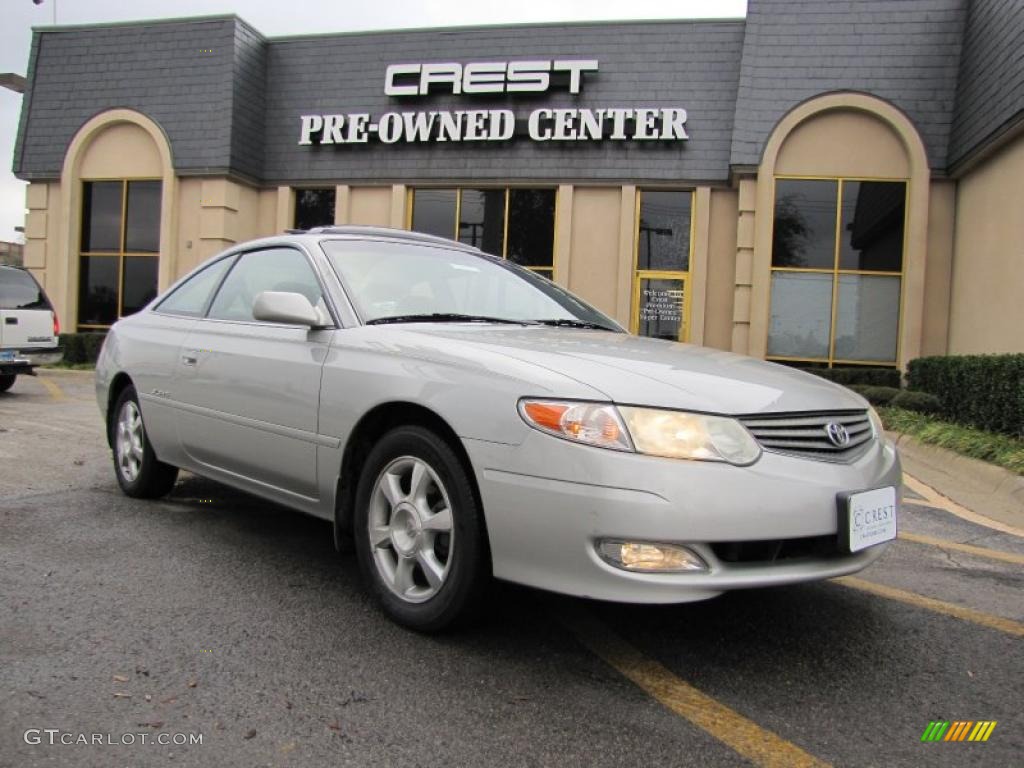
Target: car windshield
[18, 290]
[407, 282]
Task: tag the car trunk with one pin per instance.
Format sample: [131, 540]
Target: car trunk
[26, 328]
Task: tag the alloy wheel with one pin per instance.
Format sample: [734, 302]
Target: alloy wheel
[129, 441]
[410, 529]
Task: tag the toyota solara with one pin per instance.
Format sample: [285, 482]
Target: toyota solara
[458, 417]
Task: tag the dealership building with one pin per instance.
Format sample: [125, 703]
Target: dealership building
[822, 183]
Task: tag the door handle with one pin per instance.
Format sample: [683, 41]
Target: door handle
[11, 320]
[189, 358]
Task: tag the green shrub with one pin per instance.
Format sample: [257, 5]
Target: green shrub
[873, 377]
[91, 344]
[921, 402]
[81, 347]
[987, 446]
[876, 395]
[984, 391]
[72, 346]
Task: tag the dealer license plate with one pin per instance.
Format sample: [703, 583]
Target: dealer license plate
[6, 355]
[867, 518]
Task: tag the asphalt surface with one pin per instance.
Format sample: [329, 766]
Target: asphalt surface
[214, 613]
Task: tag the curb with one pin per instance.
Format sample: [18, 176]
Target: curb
[983, 488]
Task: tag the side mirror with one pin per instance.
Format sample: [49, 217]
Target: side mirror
[286, 308]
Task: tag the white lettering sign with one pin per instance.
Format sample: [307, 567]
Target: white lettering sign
[639, 123]
[491, 77]
[484, 76]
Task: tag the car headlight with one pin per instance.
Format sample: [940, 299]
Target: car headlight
[590, 423]
[651, 431]
[681, 435]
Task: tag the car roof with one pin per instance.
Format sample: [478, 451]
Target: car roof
[16, 268]
[382, 233]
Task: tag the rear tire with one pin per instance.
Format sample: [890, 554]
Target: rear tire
[419, 532]
[139, 472]
[7, 381]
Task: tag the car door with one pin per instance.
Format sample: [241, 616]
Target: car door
[250, 390]
[151, 349]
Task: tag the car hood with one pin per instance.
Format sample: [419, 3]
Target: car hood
[641, 371]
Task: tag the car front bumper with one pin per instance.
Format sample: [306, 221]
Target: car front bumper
[548, 503]
[25, 360]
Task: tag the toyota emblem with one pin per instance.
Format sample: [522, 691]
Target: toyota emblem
[837, 434]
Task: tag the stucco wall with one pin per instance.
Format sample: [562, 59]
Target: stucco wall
[938, 269]
[43, 244]
[121, 151]
[594, 255]
[987, 311]
[721, 268]
[843, 142]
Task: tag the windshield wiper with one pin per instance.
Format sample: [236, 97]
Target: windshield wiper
[446, 317]
[564, 322]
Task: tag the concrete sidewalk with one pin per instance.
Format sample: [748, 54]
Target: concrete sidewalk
[982, 488]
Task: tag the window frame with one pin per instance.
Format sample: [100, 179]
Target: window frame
[831, 361]
[158, 308]
[548, 272]
[121, 254]
[639, 275]
[238, 255]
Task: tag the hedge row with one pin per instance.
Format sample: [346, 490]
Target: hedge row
[868, 377]
[984, 391]
[921, 402]
[81, 347]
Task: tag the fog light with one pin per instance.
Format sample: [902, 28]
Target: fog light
[649, 557]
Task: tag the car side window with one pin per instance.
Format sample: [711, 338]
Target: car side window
[19, 290]
[190, 298]
[272, 269]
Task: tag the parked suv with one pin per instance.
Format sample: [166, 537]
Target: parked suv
[28, 326]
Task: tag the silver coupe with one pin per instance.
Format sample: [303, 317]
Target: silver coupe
[458, 417]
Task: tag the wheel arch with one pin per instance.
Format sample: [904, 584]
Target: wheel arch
[118, 384]
[374, 424]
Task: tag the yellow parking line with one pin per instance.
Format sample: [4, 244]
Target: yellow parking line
[936, 499]
[761, 747]
[970, 549]
[939, 606]
[56, 393]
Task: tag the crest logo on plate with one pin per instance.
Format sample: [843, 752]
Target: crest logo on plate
[837, 434]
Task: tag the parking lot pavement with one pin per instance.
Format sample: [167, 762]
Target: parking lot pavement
[51, 435]
[213, 613]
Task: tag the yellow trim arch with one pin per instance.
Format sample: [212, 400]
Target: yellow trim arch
[912, 311]
[71, 199]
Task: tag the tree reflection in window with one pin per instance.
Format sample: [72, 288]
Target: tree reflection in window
[120, 245]
[837, 260]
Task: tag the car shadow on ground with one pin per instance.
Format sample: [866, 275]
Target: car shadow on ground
[796, 622]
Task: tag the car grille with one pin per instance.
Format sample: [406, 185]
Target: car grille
[806, 435]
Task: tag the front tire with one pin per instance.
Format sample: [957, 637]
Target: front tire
[419, 531]
[139, 472]
[7, 381]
